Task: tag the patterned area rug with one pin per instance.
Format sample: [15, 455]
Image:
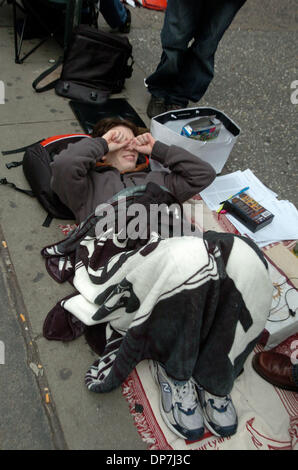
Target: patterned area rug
[267, 415]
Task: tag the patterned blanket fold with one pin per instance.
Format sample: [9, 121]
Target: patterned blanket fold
[196, 304]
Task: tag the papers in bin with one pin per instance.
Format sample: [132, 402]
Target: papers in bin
[284, 226]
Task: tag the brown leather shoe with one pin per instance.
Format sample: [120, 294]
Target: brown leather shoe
[277, 369]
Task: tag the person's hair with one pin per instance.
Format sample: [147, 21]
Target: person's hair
[104, 125]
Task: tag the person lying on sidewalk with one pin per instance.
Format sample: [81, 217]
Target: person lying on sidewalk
[93, 170]
[197, 306]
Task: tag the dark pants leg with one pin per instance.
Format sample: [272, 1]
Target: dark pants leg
[113, 12]
[186, 70]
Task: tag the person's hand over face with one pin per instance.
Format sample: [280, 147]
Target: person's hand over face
[122, 154]
[144, 143]
[116, 139]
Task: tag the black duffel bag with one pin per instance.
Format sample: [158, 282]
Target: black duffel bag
[95, 66]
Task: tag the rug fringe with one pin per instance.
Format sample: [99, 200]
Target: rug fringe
[140, 421]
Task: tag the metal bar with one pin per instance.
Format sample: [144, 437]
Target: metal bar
[18, 44]
[73, 19]
[16, 47]
[78, 13]
[20, 61]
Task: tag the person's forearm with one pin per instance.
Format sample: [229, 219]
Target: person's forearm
[189, 173]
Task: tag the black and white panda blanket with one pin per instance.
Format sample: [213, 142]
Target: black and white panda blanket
[195, 304]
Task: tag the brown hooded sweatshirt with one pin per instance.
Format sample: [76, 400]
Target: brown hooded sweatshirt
[82, 185]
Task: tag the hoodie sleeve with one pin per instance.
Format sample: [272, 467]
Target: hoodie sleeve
[189, 174]
[70, 170]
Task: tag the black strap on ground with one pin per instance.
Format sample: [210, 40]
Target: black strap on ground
[12, 185]
[10, 152]
[44, 74]
[13, 164]
[21, 149]
[48, 220]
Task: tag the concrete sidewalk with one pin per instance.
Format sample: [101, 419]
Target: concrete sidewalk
[255, 66]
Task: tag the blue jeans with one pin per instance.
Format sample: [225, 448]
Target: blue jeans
[114, 12]
[185, 71]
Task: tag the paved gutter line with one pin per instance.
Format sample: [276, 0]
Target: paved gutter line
[18, 306]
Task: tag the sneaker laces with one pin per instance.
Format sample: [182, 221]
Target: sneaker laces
[186, 396]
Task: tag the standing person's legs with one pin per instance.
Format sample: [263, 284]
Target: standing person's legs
[185, 71]
[114, 13]
[178, 29]
[199, 57]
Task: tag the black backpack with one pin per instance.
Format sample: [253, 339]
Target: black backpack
[37, 170]
[95, 65]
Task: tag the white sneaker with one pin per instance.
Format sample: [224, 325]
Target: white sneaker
[219, 413]
[179, 404]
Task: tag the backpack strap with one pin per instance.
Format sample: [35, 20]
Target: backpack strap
[21, 149]
[44, 142]
[49, 217]
[48, 220]
[13, 164]
[44, 74]
[12, 185]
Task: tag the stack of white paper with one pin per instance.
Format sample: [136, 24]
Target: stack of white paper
[284, 225]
